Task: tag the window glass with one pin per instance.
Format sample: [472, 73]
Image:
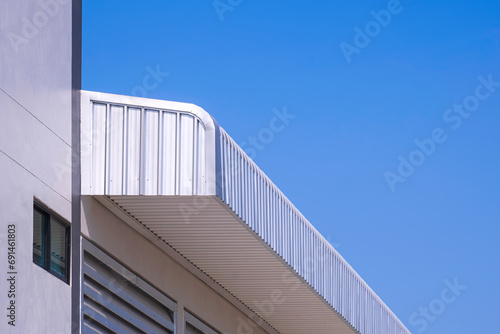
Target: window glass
[38, 238]
[58, 247]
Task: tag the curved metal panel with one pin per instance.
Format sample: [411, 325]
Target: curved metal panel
[157, 148]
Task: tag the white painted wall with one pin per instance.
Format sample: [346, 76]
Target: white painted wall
[35, 138]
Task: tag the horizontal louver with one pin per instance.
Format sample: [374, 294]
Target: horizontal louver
[117, 301]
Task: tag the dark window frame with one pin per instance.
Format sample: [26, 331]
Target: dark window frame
[49, 216]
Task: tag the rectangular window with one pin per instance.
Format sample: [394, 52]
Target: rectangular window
[51, 242]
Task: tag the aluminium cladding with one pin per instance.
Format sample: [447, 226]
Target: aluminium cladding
[175, 161]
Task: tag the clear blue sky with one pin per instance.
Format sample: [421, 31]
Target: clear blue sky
[356, 124]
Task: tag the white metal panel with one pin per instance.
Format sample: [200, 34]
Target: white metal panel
[149, 185]
[186, 154]
[200, 167]
[142, 150]
[169, 141]
[150, 154]
[98, 147]
[114, 181]
[132, 151]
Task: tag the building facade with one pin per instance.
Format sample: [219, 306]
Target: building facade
[130, 215]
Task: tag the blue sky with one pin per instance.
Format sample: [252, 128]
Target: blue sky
[411, 219]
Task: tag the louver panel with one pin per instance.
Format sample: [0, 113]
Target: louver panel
[117, 301]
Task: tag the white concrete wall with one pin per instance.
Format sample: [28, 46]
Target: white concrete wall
[35, 146]
[155, 266]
